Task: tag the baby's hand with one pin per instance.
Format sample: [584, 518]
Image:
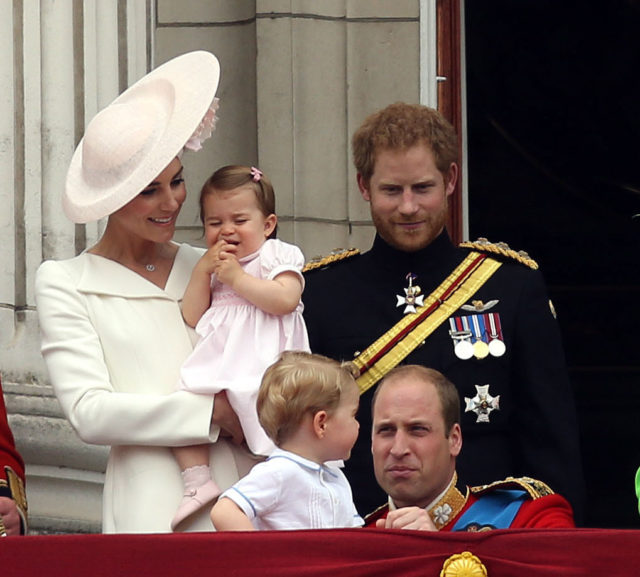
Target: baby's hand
[228, 269]
[211, 259]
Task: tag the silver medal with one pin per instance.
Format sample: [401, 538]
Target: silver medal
[496, 348]
[463, 349]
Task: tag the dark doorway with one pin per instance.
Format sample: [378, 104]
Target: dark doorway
[553, 163]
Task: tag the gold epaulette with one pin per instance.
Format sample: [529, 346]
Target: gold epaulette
[501, 248]
[337, 255]
[535, 488]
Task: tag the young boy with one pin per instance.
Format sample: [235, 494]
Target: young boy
[307, 405]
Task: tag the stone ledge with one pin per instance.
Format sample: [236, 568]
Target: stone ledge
[52, 442]
[63, 500]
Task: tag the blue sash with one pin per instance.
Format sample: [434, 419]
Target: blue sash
[495, 510]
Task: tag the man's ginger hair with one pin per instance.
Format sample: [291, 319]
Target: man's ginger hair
[401, 126]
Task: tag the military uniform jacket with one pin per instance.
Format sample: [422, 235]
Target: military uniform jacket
[533, 432]
[522, 503]
[11, 467]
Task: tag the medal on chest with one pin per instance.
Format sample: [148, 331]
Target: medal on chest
[497, 348]
[482, 404]
[413, 296]
[477, 335]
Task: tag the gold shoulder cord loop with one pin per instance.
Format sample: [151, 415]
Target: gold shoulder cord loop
[501, 248]
[335, 256]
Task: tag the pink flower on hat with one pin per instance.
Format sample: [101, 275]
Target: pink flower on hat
[205, 128]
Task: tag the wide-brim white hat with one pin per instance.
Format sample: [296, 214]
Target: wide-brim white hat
[131, 141]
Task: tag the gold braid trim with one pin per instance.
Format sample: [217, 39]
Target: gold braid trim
[535, 488]
[501, 248]
[15, 488]
[335, 256]
[376, 514]
[449, 505]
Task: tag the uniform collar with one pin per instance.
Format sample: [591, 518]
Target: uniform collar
[445, 506]
[448, 505]
[392, 259]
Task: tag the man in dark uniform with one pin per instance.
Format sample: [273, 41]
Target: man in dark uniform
[488, 326]
[13, 501]
[416, 440]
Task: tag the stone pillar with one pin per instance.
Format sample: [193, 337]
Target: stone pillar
[61, 62]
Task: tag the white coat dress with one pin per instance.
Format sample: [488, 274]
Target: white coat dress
[113, 344]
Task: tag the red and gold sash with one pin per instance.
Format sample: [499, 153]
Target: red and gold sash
[396, 344]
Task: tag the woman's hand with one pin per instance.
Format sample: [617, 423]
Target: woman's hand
[225, 417]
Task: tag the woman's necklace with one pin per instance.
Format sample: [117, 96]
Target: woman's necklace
[159, 255]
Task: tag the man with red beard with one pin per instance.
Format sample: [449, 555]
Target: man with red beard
[479, 313]
[416, 439]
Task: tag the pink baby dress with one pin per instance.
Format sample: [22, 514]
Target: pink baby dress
[238, 341]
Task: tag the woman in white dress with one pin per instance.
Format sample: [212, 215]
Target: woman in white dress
[113, 336]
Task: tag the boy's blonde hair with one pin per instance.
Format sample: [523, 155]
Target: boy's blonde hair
[299, 383]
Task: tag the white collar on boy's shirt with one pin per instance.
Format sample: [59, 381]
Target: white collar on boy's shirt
[328, 466]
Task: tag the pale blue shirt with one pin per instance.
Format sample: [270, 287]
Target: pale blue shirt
[288, 492]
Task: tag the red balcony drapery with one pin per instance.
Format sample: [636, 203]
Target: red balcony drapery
[336, 552]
